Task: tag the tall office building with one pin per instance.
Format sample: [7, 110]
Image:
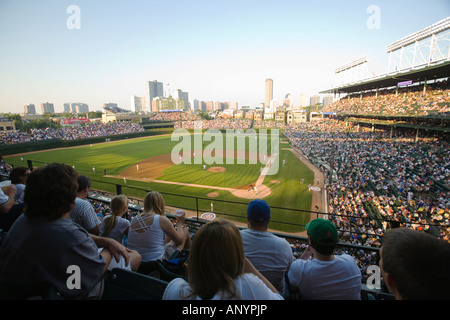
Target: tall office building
[327, 100]
[196, 104]
[315, 100]
[79, 107]
[303, 101]
[269, 92]
[29, 109]
[47, 107]
[138, 104]
[153, 89]
[66, 107]
[178, 94]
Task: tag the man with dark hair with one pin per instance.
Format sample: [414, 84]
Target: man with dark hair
[415, 265]
[18, 177]
[271, 255]
[43, 244]
[319, 274]
[83, 212]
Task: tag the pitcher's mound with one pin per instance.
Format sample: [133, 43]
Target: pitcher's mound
[213, 194]
[247, 192]
[217, 169]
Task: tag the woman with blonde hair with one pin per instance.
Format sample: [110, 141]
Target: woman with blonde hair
[113, 225]
[153, 235]
[218, 269]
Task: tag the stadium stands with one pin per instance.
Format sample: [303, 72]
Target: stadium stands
[404, 101]
[380, 180]
[70, 133]
[378, 177]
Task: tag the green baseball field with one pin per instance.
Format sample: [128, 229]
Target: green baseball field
[197, 173]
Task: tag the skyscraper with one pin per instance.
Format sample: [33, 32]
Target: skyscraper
[178, 94]
[30, 109]
[138, 104]
[315, 99]
[269, 92]
[153, 89]
[327, 100]
[47, 107]
[303, 101]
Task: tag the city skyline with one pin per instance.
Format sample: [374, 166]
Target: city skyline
[214, 51]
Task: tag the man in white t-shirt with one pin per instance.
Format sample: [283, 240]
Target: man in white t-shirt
[271, 255]
[321, 275]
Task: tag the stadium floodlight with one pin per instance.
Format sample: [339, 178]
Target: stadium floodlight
[427, 32]
[352, 64]
[351, 72]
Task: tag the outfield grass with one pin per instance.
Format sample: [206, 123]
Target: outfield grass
[115, 157]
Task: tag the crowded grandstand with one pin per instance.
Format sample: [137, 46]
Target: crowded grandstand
[383, 149]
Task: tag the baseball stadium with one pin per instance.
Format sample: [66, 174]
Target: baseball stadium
[376, 159]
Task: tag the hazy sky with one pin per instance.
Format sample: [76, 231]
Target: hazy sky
[215, 50]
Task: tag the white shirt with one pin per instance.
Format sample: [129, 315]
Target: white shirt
[149, 242]
[20, 192]
[271, 255]
[248, 287]
[117, 233]
[83, 213]
[338, 279]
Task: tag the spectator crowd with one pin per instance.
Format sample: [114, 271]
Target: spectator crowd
[71, 133]
[379, 181]
[410, 101]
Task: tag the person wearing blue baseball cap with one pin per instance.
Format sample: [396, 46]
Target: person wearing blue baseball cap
[320, 274]
[270, 254]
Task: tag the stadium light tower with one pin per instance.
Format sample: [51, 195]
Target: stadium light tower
[351, 72]
[422, 48]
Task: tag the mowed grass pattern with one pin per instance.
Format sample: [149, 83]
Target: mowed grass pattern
[114, 157]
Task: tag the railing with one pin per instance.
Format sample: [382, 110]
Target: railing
[197, 206]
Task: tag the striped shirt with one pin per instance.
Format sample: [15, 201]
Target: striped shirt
[83, 214]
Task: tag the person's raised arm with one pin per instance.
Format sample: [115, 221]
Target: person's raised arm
[177, 234]
[10, 192]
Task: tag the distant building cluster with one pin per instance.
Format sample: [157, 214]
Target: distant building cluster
[160, 98]
[47, 107]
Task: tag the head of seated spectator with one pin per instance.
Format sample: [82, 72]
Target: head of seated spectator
[323, 237]
[84, 184]
[19, 176]
[218, 269]
[415, 265]
[258, 215]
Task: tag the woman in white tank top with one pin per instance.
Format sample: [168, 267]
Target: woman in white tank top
[153, 235]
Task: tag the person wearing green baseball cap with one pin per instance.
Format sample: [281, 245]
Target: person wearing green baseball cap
[324, 234]
[320, 274]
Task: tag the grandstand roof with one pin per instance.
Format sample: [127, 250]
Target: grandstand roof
[390, 80]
